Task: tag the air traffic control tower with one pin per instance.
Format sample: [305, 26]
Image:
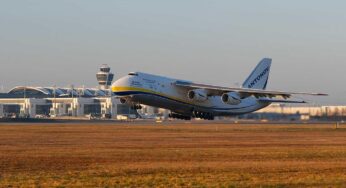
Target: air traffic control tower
[104, 77]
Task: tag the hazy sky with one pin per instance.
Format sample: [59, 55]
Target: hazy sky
[62, 42]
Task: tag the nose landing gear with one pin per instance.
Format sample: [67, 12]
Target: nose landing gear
[136, 107]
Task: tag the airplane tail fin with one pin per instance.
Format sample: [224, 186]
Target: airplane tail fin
[258, 79]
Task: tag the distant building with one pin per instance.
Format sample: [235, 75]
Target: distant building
[148, 112]
[23, 101]
[288, 109]
[56, 92]
[57, 102]
[280, 111]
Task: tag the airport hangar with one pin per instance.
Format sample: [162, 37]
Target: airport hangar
[23, 101]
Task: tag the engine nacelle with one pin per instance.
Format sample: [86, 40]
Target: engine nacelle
[231, 98]
[199, 95]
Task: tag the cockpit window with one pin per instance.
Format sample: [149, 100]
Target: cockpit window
[133, 74]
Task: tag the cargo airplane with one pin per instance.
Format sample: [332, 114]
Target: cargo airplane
[188, 100]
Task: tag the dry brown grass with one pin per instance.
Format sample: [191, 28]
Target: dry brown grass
[54, 155]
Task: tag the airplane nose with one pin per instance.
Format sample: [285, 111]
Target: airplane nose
[121, 83]
[116, 83]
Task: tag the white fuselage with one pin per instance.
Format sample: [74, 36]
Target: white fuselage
[158, 91]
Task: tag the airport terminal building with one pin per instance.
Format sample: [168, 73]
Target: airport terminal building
[24, 101]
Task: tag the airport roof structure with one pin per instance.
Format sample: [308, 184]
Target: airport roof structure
[46, 92]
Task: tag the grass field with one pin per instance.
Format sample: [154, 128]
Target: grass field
[219, 155]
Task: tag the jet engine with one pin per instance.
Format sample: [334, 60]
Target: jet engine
[231, 98]
[197, 95]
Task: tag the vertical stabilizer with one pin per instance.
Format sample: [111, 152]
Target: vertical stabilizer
[258, 79]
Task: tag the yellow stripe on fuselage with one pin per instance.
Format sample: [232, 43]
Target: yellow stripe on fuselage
[126, 89]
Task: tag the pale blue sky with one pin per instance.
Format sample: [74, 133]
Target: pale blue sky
[63, 42]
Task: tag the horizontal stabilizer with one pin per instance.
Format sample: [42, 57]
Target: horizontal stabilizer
[281, 101]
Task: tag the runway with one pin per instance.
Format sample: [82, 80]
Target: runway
[177, 155]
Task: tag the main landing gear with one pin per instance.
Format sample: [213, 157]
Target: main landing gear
[203, 115]
[196, 114]
[179, 116]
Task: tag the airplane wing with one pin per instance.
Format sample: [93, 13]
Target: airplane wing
[244, 92]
